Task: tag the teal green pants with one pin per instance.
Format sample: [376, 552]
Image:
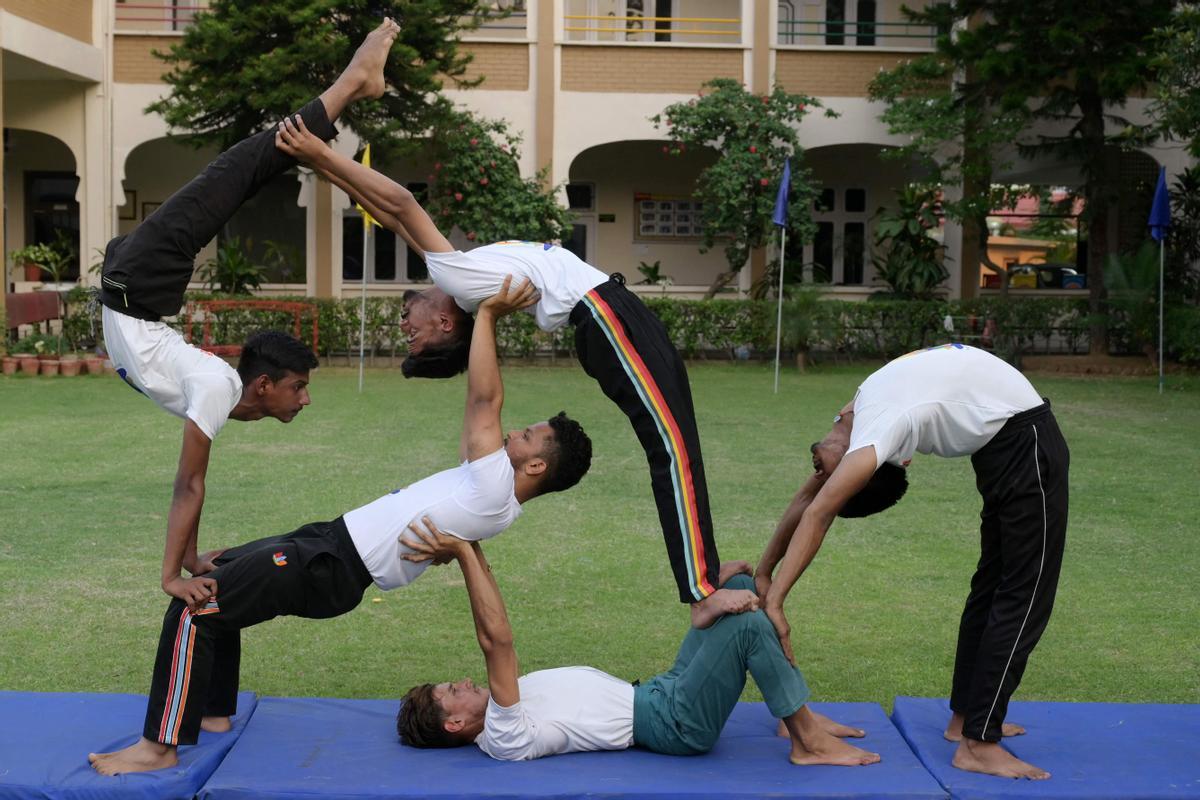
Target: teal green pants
[682, 711]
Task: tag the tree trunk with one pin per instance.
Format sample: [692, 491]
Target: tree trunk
[1098, 169]
[801, 360]
[720, 282]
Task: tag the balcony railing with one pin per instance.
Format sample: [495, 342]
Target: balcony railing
[852, 33]
[147, 15]
[638, 28]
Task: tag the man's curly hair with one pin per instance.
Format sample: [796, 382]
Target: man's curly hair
[568, 457]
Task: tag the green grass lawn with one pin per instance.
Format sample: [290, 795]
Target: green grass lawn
[85, 479]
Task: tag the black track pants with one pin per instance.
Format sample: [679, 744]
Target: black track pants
[146, 272]
[1022, 475]
[625, 348]
[313, 572]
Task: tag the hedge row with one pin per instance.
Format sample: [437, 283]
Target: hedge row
[726, 328]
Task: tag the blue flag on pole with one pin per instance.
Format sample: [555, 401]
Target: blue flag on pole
[781, 199]
[1160, 212]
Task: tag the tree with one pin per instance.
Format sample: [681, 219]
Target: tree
[754, 134]
[959, 130]
[243, 66]
[477, 185]
[1177, 77]
[1064, 69]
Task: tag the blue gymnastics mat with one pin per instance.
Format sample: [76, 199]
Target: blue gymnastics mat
[328, 748]
[1102, 751]
[45, 739]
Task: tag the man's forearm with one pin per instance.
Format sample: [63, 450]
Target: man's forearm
[778, 544]
[800, 552]
[484, 385]
[183, 525]
[487, 606]
[374, 191]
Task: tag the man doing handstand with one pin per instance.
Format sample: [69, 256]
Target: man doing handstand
[143, 279]
[620, 343]
[570, 709]
[322, 569]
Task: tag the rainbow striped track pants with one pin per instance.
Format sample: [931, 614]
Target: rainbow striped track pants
[313, 572]
[625, 348]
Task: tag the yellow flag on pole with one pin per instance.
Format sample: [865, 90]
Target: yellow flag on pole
[368, 220]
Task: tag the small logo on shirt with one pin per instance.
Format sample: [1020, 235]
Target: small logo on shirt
[125, 377]
[280, 559]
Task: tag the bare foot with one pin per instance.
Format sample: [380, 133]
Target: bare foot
[827, 725]
[820, 747]
[836, 728]
[720, 603]
[953, 732]
[812, 744]
[143, 756]
[215, 724]
[365, 70]
[992, 759]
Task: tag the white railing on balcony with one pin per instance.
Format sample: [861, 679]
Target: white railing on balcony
[148, 15]
[693, 21]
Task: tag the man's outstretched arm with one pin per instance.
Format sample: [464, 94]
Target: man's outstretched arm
[851, 475]
[482, 434]
[783, 534]
[390, 203]
[492, 628]
[183, 520]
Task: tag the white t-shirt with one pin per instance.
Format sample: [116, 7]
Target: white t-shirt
[562, 710]
[948, 400]
[474, 276]
[473, 501]
[188, 382]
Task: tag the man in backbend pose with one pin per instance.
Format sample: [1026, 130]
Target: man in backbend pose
[565, 710]
[143, 279]
[950, 400]
[322, 569]
[620, 343]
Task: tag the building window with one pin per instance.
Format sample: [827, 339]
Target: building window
[581, 196]
[389, 259]
[666, 218]
[839, 251]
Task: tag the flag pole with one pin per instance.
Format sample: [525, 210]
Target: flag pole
[368, 222]
[1160, 224]
[779, 312]
[780, 218]
[362, 312]
[1161, 292]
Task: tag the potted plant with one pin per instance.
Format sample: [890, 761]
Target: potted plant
[10, 364]
[95, 363]
[26, 355]
[69, 364]
[51, 259]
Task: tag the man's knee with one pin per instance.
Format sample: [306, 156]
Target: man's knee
[740, 581]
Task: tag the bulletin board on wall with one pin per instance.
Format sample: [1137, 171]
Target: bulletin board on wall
[665, 218]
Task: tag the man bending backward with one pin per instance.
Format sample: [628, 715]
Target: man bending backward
[950, 400]
[620, 343]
